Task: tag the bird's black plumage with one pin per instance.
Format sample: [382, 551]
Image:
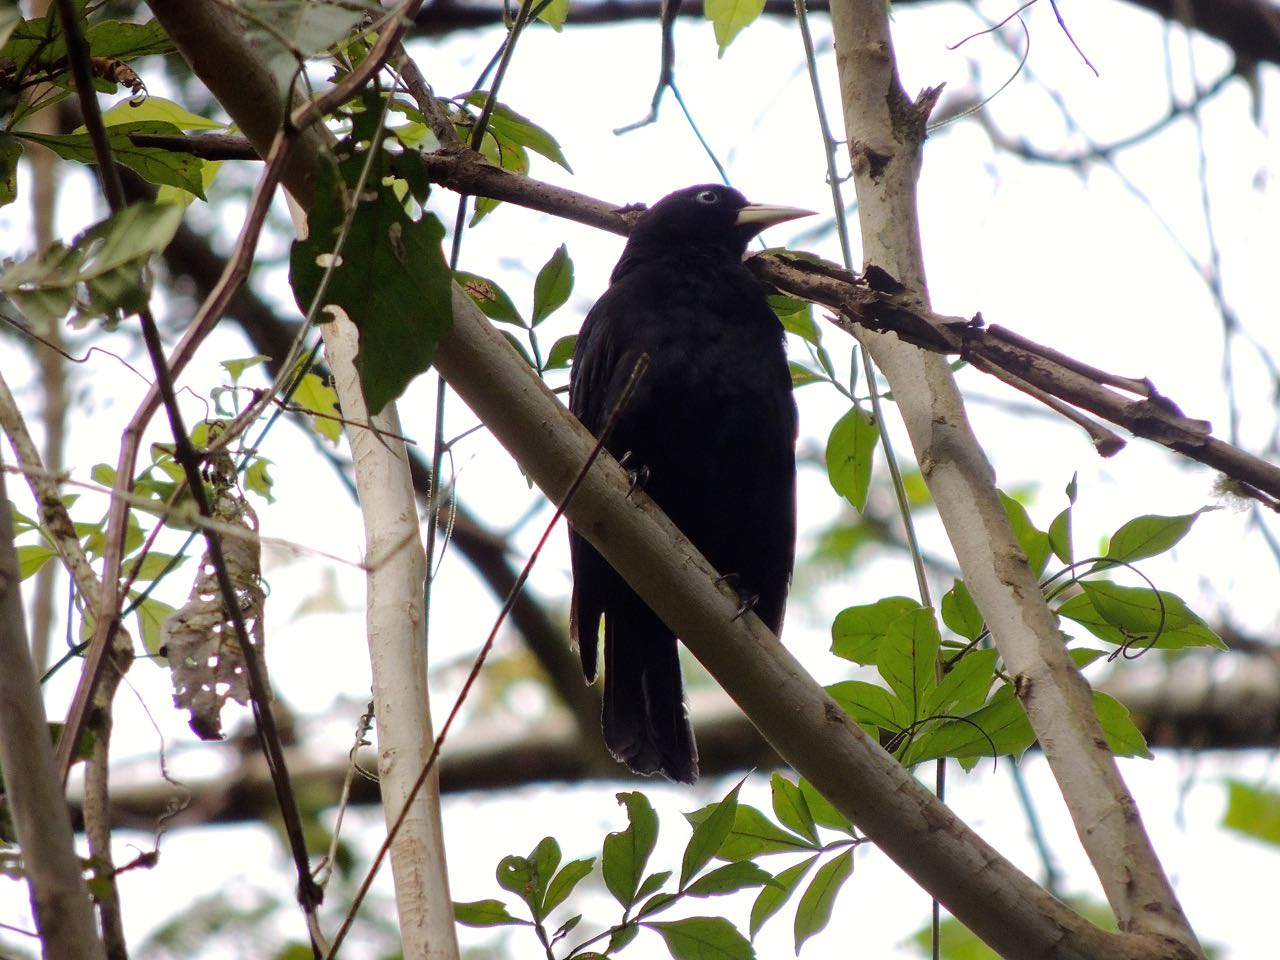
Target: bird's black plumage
[711, 427]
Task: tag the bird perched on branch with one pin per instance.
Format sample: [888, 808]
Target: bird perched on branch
[709, 432]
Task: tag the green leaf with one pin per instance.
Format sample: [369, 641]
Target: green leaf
[1060, 529]
[258, 480]
[618, 939]
[797, 317]
[391, 278]
[908, 658]
[626, 852]
[32, 557]
[729, 879]
[730, 17]
[485, 913]
[703, 938]
[872, 706]
[543, 862]
[1001, 727]
[314, 394]
[813, 912]
[708, 835]
[555, 13]
[561, 353]
[774, 897]
[652, 883]
[1253, 812]
[755, 835]
[960, 613]
[153, 565]
[964, 687]
[516, 874]
[1138, 615]
[857, 632]
[1123, 736]
[107, 261]
[516, 130]
[489, 297]
[10, 154]
[802, 376]
[236, 368]
[1034, 543]
[151, 163]
[122, 40]
[1150, 535]
[157, 108]
[152, 614]
[562, 884]
[791, 809]
[823, 812]
[850, 453]
[554, 284]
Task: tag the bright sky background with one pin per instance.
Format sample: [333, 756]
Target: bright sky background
[1076, 262]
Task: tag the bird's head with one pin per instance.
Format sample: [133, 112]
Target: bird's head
[707, 215]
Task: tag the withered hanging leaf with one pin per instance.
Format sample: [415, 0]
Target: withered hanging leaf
[205, 656]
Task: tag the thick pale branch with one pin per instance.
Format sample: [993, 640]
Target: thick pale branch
[885, 132]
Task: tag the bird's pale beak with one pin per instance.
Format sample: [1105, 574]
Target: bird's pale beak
[761, 215]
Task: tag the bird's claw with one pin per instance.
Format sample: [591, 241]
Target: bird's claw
[636, 480]
[746, 599]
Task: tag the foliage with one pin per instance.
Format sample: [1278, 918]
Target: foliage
[736, 834]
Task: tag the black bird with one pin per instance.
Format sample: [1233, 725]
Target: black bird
[709, 431]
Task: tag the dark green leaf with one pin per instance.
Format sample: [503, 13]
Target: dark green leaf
[730, 17]
[543, 861]
[774, 896]
[656, 904]
[489, 297]
[1060, 530]
[619, 938]
[1253, 812]
[857, 632]
[1138, 615]
[1149, 536]
[814, 910]
[964, 687]
[1124, 738]
[562, 884]
[121, 40]
[627, 851]
[790, 808]
[1034, 543]
[1001, 727]
[708, 836]
[553, 285]
[484, 913]
[754, 835]
[151, 163]
[10, 154]
[561, 353]
[729, 878]
[870, 705]
[703, 938]
[850, 452]
[908, 658]
[391, 279]
[512, 128]
[823, 812]
[960, 613]
[652, 883]
[515, 874]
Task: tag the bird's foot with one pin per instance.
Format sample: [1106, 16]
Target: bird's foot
[637, 477]
[746, 599]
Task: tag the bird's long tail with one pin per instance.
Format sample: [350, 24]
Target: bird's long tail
[645, 722]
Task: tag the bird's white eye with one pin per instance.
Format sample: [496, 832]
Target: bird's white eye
[707, 196]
